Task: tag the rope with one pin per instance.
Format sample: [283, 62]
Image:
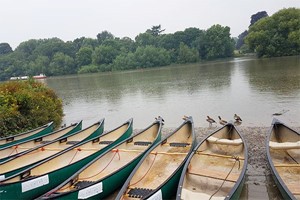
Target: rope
[146, 172]
[14, 149]
[236, 160]
[116, 152]
[77, 150]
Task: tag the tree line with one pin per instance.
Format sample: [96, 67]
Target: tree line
[150, 49]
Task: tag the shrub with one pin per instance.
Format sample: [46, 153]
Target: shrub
[26, 105]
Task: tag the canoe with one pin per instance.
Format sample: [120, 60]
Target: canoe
[106, 173]
[156, 176]
[46, 175]
[17, 164]
[13, 151]
[216, 168]
[283, 155]
[16, 139]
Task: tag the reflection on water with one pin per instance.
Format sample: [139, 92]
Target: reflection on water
[252, 88]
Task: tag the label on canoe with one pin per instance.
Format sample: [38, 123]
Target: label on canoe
[35, 183]
[156, 196]
[90, 191]
[2, 177]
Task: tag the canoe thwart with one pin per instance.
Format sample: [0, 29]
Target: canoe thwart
[142, 143]
[105, 142]
[216, 140]
[72, 142]
[214, 175]
[284, 145]
[287, 165]
[139, 192]
[219, 155]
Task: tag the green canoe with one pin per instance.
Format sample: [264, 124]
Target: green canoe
[283, 155]
[108, 172]
[29, 135]
[157, 174]
[216, 168]
[13, 151]
[15, 165]
[46, 175]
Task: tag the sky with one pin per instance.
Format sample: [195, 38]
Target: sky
[21, 20]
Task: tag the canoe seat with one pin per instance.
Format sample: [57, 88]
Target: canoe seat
[105, 142]
[178, 144]
[45, 141]
[215, 140]
[214, 174]
[142, 143]
[81, 184]
[72, 142]
[139, 192]
[284, 145]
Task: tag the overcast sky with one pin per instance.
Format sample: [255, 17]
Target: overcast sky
[21, 20]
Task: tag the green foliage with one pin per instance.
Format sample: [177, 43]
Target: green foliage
[26, 105]
[5, 48]
[187, 55]
[277, 35]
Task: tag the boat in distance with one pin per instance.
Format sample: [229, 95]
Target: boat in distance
[15, 165]
[17, 150]
[283, 156]
[107, 173]
[25, 136]
[51, 172]
[156, 176]
[216, 168]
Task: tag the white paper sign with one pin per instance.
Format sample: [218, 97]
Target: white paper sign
[2, 177]
[156, 196]
[90, 191]
[35, 183]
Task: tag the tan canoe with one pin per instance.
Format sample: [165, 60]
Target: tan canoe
[283, 153]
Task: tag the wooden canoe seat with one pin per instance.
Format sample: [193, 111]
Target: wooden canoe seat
[215, 140]
[81, 184]
[284, 145]
[287, 165]
[214, 174]
[178, 144]
[72, 142]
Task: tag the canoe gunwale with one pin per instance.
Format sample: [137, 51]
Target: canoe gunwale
[238, 182]
[74, 177]
[278, 180]
[124, 187]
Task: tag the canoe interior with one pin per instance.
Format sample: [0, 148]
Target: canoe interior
[286, 159]
[215, 166]
[114, 160]
[161, 163]
[10, 151]
[48, 150]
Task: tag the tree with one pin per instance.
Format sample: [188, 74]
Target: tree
[155, 30]
[144, 39]
[187, 55]
[258, 16]
[84, 56]
[5, 48]
[104, 55]
[104, 35]
[240, 42]
[277, 35]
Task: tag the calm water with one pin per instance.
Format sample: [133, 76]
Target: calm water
[252, 88]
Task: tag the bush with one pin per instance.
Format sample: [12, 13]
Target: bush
[26, 105]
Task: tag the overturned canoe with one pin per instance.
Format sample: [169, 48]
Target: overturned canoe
[12, 151]
[283, 155]
[35, 133]
[45, 175]
[17, 164]
[216, 168]
[108, 172]
[157, 174]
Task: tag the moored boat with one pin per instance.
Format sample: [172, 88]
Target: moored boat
[40, 76]
[108, 172]
[216, 168]
[283, 155]
[15, 165]
[156, 176]
[18, 138]
[49, 173]
[15, 150]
